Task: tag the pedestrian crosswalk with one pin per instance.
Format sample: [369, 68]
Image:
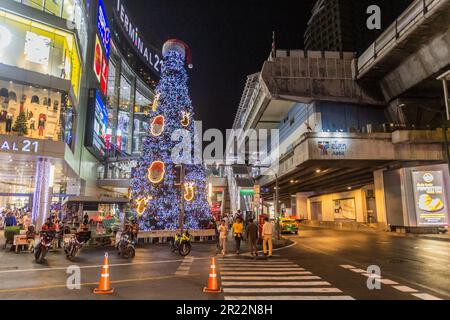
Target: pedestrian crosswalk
[185, 267]
[275, 279]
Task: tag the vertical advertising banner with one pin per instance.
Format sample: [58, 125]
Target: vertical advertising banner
[103, 28]
[430, 198]
[104, 76]
[98, 59]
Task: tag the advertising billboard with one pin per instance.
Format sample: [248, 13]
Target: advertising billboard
[96, 129]
[98, 59]
[101, 66]
[430, 198]
[344, 209]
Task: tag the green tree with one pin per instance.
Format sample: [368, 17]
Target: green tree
[20, 127]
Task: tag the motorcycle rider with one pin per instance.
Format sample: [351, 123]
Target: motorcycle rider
[132, 229]
[49, 226]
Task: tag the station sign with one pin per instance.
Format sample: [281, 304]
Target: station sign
[332, 148]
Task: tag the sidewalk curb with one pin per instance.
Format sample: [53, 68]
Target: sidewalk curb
[391, 234]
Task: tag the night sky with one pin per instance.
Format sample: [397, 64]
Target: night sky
[229, 40]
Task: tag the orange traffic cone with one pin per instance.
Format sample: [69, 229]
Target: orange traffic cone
[213, 283]
[103, 285]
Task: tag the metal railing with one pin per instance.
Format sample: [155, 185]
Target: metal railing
[411, 16]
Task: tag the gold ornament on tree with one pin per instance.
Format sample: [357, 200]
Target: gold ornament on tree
[189, 191]
[185, 118]
[156, 172]
[156, 102]
[141, 205]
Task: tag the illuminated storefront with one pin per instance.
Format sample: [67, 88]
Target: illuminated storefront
[33, 46]
[41, 98]
[127, 79]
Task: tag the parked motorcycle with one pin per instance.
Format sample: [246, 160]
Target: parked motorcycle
[76, 242]
[181, 243]
[43, 246]
[126, 246]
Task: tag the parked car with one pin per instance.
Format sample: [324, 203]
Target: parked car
[289, 226]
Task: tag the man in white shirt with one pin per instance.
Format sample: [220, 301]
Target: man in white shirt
[267, 232]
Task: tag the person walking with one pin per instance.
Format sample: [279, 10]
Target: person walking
[10, 220]
[267, 232]
[223, 233]
[238, 231]
[252, 237]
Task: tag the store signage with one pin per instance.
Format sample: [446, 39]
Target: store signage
[104, 76]
[103, 28]
[430, 198]
[247, 192]
[26, 146]
[332, 148]
[147, 52]
[101, 66]
[98, 59]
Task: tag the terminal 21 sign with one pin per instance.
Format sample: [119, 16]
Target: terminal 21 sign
[19, 146]
[147, 53]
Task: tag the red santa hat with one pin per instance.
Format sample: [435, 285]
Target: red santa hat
[181, 47]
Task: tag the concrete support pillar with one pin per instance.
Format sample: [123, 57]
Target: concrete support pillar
[43, 190]
[302, 204]
[380, 197]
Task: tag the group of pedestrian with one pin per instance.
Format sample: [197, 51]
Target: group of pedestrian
[15, 218]
[240, 233]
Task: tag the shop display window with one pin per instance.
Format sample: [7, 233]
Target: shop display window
[125, 102]
[36, 47]
[49, 114]
[140, 126]
[111, 102]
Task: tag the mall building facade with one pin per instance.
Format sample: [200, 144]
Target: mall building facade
[75, 85]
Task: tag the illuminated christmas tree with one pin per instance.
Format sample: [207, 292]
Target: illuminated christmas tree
[156, 198]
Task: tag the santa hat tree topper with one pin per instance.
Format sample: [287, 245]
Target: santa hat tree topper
[180, 47]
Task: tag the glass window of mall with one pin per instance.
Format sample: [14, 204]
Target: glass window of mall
[49, 113]
[71, 10]
[36, 47]
[128, 102]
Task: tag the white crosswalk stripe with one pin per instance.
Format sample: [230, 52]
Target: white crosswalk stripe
[185, 266]
[275, 279]
[229, 278]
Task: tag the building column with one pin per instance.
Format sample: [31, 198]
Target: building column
[380, 197]
[43, 190]
[302, 204]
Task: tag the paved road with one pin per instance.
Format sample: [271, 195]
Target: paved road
[412, 268]
[321, 265]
